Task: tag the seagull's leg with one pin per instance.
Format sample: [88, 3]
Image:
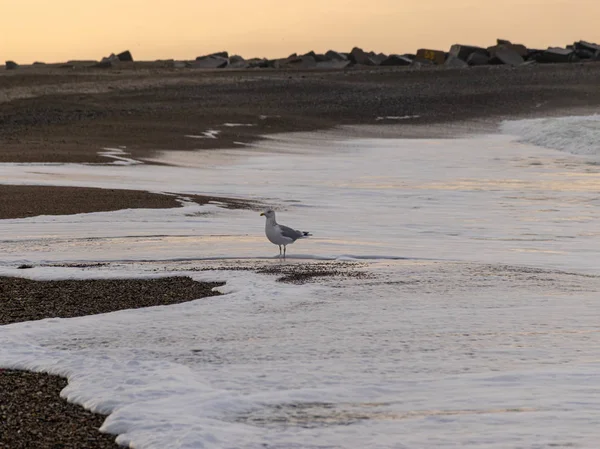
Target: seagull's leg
[284, 248]
[279, 250]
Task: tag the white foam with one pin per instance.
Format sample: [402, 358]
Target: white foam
[428, 353]
[119, 154]
[397, 117]
[209, 134]
[576, 134]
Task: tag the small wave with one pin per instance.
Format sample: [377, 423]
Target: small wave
[575, 134]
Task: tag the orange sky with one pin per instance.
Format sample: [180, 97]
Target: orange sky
[58, 30]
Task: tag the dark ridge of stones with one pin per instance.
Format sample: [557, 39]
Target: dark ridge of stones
[33, 416]
[27, 300]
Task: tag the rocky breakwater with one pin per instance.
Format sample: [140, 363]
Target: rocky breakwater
[504, 52]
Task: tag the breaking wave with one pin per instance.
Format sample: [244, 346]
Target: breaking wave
[574, 134]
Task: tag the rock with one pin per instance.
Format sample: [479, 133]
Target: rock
[377, 58]
[420, 63]
[557, 55]
[108, 62]
[258, 63]
[335, 56]
[358, 56]
[395, 60]
[220, 54]
[210, 62]
[464, 51]
[583, 45]
[584, 54]
[237, 62]
[455, 63]
[521, 50]
[476, 59]
[11, 65]
[316, 56]
[125, 56]
[503, 42]
[180, 64]
[332, 64]
[434, 56]
[506, 54]
[302, 62]
[39, 63]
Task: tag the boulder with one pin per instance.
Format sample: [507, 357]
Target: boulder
[11, 65]
[180, 64]
[332, 64]
[503, 42]
[476, 58]
[506, 54]
[395, 60]
[237, 62]
[434, 56]
[125, 56]
[258, 63]
[358, 56]
[464, 51]
[108, 62]
[584, 54]
[420, 63]
[210, 62]
[39, 63]
[455, 63]
[520, 49]
[335, 56]
[220, 54]
[376, 57]
[557, 55]
[583, 45]
[302, 62]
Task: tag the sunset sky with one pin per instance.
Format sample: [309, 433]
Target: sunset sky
[58, 30]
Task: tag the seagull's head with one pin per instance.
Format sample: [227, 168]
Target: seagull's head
[269, 213]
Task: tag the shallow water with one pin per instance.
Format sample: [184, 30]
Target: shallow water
[475, 324]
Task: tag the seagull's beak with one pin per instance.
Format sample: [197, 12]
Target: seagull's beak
[262, 214]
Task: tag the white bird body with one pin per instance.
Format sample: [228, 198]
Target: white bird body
[281, 235]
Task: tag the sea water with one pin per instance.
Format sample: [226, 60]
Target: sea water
[475, 323]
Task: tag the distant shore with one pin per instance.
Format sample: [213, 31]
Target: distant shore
[52, 115]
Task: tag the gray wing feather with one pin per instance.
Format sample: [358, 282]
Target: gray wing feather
[290, 233]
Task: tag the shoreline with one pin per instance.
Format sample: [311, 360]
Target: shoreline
[32, 412]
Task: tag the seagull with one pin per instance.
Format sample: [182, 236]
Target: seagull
[281, 235]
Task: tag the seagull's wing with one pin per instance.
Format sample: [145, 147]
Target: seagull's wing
[291, 233]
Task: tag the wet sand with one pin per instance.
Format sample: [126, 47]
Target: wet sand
[29, 201]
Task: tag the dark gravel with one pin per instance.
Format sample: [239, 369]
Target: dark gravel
[32, 415]
[26, 300]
